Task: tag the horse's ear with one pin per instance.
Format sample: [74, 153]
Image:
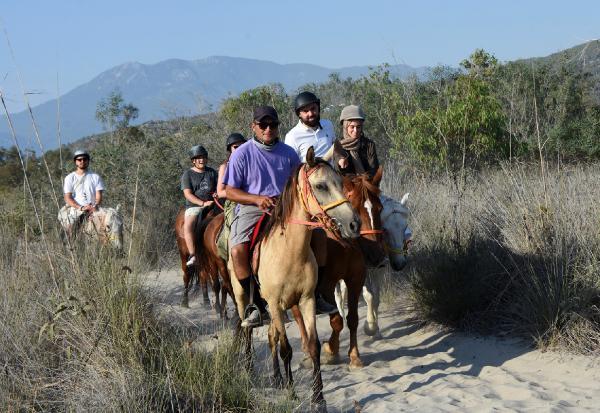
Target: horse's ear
[378, 175]
[404, 199]
[310, 157]
[118, 208]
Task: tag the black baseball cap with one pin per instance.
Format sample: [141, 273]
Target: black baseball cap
[262, 112]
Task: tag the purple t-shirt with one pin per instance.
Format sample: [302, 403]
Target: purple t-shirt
[258, 171]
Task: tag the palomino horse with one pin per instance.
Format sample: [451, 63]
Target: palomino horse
[349, 261]
[287, 270]
[104, 225]
[397, 238]
[193, 272]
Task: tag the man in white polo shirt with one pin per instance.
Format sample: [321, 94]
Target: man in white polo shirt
[311, 130]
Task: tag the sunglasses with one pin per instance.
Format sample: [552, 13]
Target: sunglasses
[81, 159]
[265, 125]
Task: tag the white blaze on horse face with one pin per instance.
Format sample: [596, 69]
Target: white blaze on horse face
[369, 207]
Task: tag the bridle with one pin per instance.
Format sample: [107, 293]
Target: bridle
[397, 251]
[306, 194]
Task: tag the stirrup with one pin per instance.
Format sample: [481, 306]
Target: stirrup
[249, 309]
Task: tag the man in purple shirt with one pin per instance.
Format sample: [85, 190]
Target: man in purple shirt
[256, 174]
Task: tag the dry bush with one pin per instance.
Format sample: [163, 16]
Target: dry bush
[503, 255]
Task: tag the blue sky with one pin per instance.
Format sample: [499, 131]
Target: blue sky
[76, 40]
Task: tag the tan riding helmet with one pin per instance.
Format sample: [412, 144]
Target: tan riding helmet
[352, 112]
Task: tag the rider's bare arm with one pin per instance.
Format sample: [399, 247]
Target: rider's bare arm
[98, 200]
[70, 201]
[241, 197]
[189, 195]
[220, 185]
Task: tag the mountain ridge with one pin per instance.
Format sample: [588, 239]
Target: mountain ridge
[167, 88]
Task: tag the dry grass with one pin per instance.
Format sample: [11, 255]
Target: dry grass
[94, 343]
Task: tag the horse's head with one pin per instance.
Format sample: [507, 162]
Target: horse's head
[318, 177]
[397, 236]
[109, 225]
[363, 193]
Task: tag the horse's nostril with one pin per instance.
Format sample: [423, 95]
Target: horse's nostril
[354, 226]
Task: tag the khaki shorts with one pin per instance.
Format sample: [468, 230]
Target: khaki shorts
[193, 211]
[243, 224]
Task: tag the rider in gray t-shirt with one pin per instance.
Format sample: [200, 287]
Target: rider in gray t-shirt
[198, 185]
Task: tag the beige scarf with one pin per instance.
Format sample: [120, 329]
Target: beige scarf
[352, 146]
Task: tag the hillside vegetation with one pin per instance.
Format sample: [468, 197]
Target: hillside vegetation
[502, 164]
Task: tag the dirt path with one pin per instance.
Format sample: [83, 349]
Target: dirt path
[418, 369]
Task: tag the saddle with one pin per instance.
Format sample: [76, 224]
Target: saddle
[256, 242]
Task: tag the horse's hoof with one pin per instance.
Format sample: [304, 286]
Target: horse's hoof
[318, 407]
[306, 363]
[184, 302]
[355, 364]
[329, 357]
[277, 381]
[371, 329]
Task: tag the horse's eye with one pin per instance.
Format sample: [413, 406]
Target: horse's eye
[321, 187]
[108, 227]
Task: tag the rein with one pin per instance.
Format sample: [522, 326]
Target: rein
[216, 199]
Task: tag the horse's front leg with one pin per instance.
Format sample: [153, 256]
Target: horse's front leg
[341, 293]
[216, 287]
[307, 308]
[331, 348]
[203, 281]
[273, 341]
[225, 287]
[371, 295]
[354, 290]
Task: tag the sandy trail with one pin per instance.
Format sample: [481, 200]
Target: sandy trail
[414, 368]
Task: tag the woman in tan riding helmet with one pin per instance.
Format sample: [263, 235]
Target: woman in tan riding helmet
[354, 153]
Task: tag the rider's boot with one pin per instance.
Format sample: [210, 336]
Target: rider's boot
[323, 306]
[256, 317]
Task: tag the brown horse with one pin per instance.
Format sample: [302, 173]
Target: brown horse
[193, 272]
[287, 272]
[210, 263]
[349, 261]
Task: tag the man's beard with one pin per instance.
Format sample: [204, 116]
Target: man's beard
[314, 122]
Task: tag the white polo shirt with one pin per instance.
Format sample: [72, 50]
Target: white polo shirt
[302, 137]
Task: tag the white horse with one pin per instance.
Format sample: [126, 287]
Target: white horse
[105, 224]
[397, 236]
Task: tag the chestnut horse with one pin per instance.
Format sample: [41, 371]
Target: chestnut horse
[349, 261]
[193, 272]
[397, 238]
[287, 271]
[210, 263]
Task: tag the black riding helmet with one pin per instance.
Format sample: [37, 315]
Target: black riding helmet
[233, 139]
[198, 151]
[305, 98]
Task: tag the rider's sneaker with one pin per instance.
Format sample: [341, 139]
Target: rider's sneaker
[253, 319]
[323, 307]
[191, 261]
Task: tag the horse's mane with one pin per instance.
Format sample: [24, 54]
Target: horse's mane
[362, 185]
[283, 209]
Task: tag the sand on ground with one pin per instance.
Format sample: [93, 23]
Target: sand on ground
[412, 367]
